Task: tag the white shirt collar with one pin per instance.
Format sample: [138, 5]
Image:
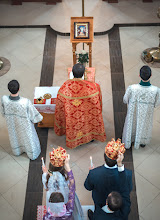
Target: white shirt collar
[105, 209]
[115, 166]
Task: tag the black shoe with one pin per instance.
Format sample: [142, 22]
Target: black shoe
[90, 142]
[90, 214]
[142, 145]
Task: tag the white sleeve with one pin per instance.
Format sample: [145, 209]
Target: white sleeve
[127, 95]
[2, 107]
[157, 100]
[33, 114]
[121, 169]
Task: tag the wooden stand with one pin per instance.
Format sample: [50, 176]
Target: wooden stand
[74, 45]
[48, 120]
[74, 40]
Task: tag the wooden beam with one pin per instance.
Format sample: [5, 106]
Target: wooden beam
[50, 2]
[147, 0]
[16, 2]
[82, 8]
[112, 1]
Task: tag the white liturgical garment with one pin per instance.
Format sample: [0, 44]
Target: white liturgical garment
[20, 117]
[141, 101]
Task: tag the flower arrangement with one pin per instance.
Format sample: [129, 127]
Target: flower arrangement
[83, 57]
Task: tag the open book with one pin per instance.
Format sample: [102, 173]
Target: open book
[71, 75]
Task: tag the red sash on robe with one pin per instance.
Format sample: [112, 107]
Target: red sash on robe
[78, 112]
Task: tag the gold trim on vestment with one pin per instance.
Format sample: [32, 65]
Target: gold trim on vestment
[83, 97]
[85, 143]
[59, 125]
[84, 136]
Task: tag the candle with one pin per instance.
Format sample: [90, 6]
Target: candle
[91, 161]
[43, 164]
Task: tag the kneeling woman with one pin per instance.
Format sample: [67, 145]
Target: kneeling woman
[55, 179]
[61, 189]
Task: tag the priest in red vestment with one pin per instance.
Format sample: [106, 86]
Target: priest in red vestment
[78, 111]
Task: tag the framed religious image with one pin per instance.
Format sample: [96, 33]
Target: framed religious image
[81, 30]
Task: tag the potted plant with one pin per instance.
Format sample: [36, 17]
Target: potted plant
[83, 57]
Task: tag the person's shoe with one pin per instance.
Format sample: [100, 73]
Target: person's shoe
[142, 145]
[90, 142]
[90, 214]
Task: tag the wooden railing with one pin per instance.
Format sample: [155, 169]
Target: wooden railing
[48, 2]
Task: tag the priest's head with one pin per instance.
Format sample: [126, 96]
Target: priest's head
[13, 86]
[78, 70]
[145, 73]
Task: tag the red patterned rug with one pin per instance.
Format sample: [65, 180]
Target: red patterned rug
[41, 211]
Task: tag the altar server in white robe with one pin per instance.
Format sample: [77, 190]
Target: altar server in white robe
[141, 98]
[20, 117]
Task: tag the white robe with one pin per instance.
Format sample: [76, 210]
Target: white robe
[141, 101]
[20, 117]
[56, 183]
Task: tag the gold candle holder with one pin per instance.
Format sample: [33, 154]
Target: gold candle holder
[1, 64]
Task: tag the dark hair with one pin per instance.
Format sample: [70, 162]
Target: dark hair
[78, 70]
[114, 200]
[13, 86]
[56, 169]
[56, 197]
[109, 161]
[145, 72]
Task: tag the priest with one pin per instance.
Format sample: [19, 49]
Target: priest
[141, 98]
[20, 116]
[78, 111]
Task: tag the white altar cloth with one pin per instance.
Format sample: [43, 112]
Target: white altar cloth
[47, 107]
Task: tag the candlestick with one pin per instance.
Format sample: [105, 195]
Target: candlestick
[91, 161]
[43, 164]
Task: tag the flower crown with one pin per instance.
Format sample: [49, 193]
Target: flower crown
[58, 156]
[113, 148]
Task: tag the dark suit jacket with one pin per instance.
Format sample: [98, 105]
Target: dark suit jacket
[123, 213]
[101, 181]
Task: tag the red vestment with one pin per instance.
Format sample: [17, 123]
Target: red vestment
[78, 112]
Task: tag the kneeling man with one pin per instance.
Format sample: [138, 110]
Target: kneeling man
[118, 203]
